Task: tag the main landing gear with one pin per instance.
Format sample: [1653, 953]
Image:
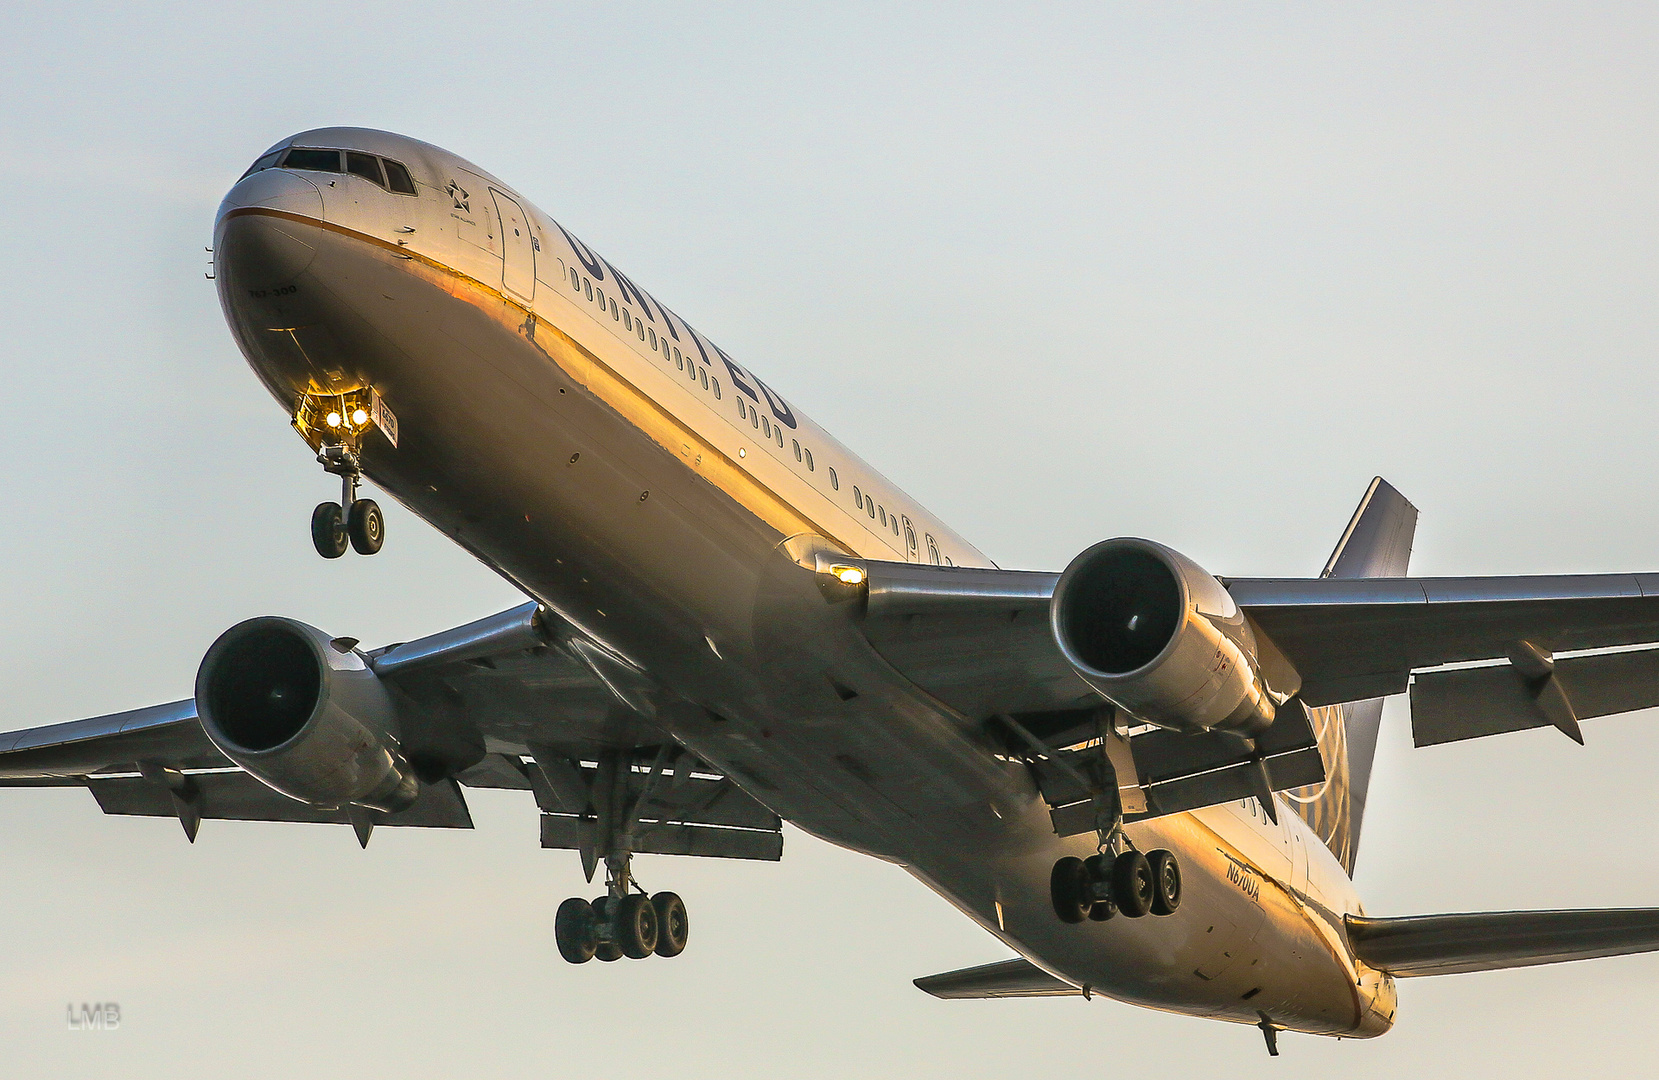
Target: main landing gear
[621, 923]
[1104, 885]
[351, 520]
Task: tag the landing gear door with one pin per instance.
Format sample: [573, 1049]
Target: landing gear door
[518, 248]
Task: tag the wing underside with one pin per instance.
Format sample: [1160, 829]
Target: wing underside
[543, 708]
[1490, 941]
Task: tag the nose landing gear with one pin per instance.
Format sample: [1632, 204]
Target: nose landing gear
[351, 519]
[335, 426]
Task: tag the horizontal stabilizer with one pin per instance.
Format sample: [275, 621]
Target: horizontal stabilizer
[1004, 979]
[1452, 944]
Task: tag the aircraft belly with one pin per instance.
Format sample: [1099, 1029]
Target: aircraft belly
[512, 443]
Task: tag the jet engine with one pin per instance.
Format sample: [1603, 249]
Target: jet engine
[1160, 638]
[305, 715]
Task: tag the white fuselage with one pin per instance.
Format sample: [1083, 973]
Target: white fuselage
[592, 447]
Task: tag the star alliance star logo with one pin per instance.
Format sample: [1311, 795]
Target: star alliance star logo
[459, 194]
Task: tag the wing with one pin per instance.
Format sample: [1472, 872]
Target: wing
[979, 640]
[520, 700]
[1489, 941]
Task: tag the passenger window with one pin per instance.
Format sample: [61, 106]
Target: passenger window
[639, 326]
[398, 178]
[835, 481]
[628, 320]
[894, 520]
[600, 293]
[653, 340]
[705, 374]
[754, 419]
[948, 562]
[588, 285]
[766, 427]
[797, 444]
[883, 511]
[679, 361]
[312, 160]
[870, 508]
[932, 550]
[742, 410]
[575, 280]
[778, 431]
[909, 537]
[365, 165]
[809, 461]
[716, 389]
[615, 314]
[858, 497]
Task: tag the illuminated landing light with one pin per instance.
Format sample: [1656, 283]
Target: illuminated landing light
[848, 575]
[332, 419]
[359, 418]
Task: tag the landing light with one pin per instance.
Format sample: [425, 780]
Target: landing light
[848, 575]
[332, 419]
[359, 417]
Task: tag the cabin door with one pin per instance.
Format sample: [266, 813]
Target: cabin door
[518, 265]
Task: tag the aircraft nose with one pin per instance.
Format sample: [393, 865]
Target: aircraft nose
[255, 236]
[274, 189]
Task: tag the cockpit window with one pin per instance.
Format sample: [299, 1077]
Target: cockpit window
[365, 165]
[312, 160]
[266, 162]
[398, 179]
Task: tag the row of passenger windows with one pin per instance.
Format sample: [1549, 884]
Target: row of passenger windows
[696, 373]
[385, 172]
[771, 432]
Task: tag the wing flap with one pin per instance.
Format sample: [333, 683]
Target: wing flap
[1490, 941]
[236, 796]
[1450, 706]
[1005, 979]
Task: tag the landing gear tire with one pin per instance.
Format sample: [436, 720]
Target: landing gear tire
[575, 931]
[635, 926]
[1132, 885]
[328, 530]
[1097, 870]
[366, 527]
[673, 928]
[608, 951]
[1067, 883]
[1166, 882]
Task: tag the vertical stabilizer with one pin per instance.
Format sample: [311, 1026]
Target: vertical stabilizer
[1377, 543]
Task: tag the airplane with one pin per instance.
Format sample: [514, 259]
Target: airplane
[1146, 780]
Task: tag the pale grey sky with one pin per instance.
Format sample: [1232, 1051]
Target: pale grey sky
[1062, 271]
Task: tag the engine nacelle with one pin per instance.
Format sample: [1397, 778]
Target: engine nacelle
[304, 715]
[1160, 638]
